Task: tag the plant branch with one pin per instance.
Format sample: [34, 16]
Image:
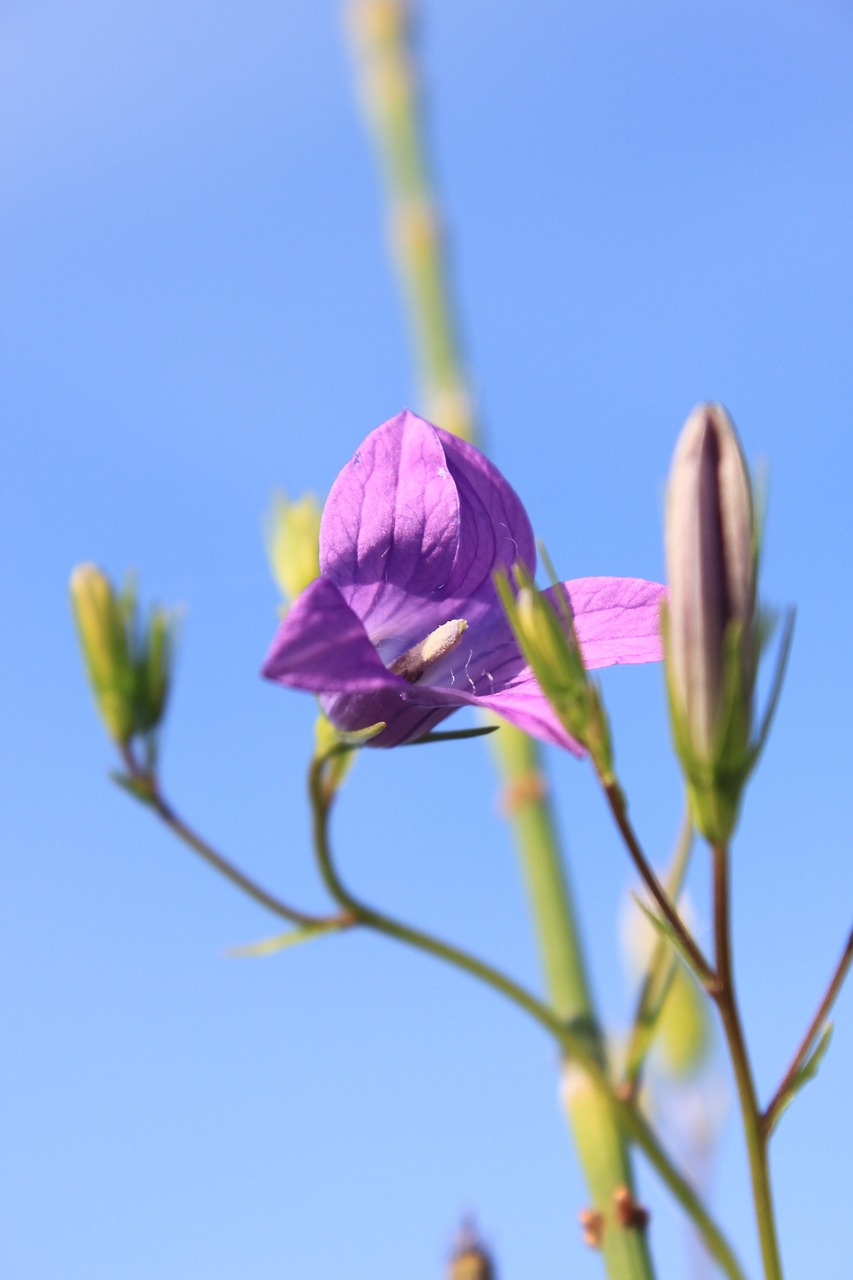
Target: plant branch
[777, 1102]
[756, 1142]
[616, 801]
[147, 789]
[573, 1044]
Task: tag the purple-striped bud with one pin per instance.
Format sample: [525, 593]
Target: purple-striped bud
[711, 560]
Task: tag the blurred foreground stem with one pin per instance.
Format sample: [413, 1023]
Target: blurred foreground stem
[381, 31]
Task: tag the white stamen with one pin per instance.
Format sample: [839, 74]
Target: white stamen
[412, 664]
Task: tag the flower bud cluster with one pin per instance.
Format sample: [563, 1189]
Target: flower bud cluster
[128, 660]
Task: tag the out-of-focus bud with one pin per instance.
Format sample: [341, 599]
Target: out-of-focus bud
[469, 1260]
[129, 663]
[673, 1014]
[101, 628]
[711, 629]
[293, 543]
[154, 671]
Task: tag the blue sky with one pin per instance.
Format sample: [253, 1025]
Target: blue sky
[646, 209]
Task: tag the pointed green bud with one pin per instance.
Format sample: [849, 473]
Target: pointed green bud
[129, 664]
[711, 630]
[546, 636]
[102, 632]
[154, 668]
[293, 543]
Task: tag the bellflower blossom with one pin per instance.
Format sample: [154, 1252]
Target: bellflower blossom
[404, 624]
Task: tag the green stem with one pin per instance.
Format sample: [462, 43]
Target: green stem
[381, 36]
[573, 1042]
[384, 51]
[603, 1153]
[756, 1141]
[147, 789]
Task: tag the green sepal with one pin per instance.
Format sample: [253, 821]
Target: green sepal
[804, 1074]
[281, 942]
[337, 749]
[139, 788]
[776, 688]
[452, 735]
[714, 785]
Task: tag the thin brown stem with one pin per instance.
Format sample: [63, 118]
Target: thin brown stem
[777, 1102]
[701, 966]
[756, 1143]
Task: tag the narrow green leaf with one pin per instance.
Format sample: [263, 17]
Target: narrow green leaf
[290, 938]
[776, 690]
[453, 735]
[665, 929]
[807, 1072]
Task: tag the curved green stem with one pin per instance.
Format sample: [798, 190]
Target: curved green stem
[754, 1133]
[574, 1044]
[146, 788]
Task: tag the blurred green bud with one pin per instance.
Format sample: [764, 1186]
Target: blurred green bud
[102, 632]
[684, 1030]
[154, 669]
[129, 664]
[710, 627]
[293, 543]
[674, 1014]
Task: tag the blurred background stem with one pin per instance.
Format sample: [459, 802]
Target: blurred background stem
[381, 36]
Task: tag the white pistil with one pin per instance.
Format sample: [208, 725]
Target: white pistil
[412, 664]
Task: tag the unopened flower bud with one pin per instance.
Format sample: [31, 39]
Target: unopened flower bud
[129, 663]
[293, 543]
[712, 635]
[102, 632]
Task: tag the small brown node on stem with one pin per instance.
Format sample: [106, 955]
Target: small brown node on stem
[630, 1215]
[592, 1227]
[528, 788]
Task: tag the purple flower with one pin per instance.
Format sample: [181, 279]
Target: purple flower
[404, 624]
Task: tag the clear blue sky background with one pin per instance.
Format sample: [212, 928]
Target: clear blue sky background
[648, 207]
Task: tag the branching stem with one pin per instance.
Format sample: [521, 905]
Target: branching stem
[777, 1102]
[573, 1045]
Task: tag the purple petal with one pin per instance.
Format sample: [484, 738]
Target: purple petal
[524, 704]
[390, 528]
[321, 645]
[494, 531]
[616, 619]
